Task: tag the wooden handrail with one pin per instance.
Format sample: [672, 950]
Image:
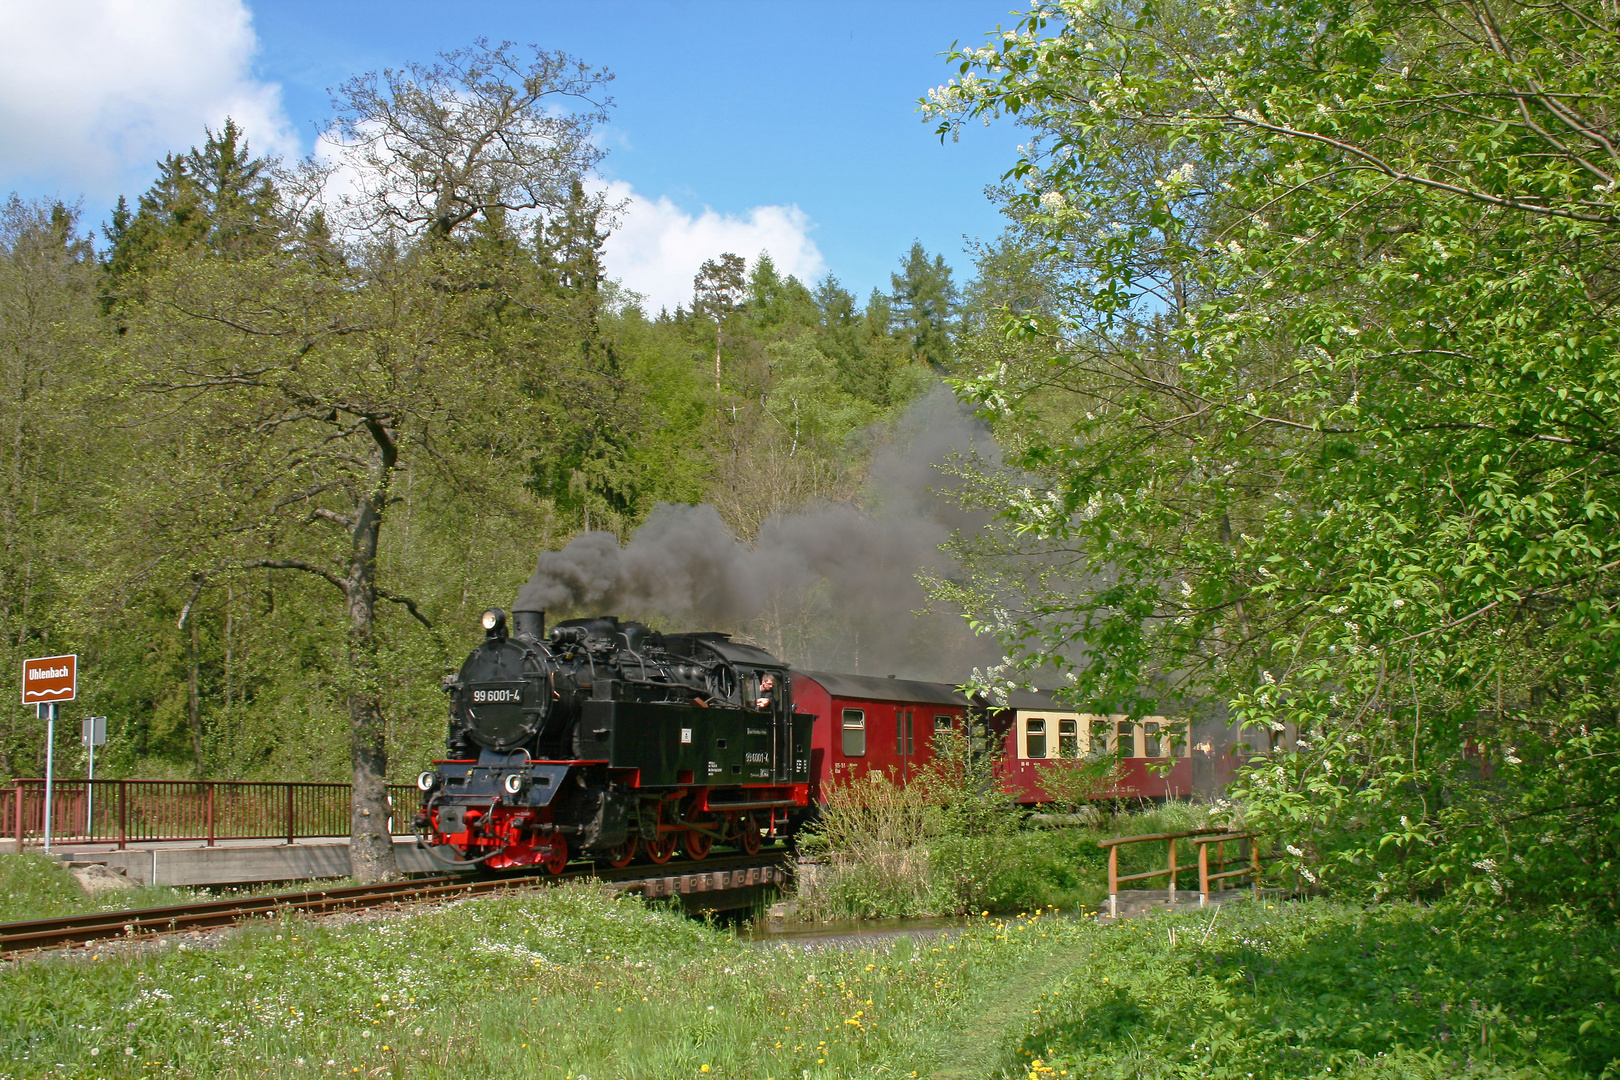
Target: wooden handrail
[1201, 839]
[1205, 877]
[1155, 836]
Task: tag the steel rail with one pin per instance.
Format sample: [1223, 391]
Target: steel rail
[21, 937]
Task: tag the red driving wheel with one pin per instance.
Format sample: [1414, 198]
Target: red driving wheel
[621, 855]
[556, 860]
[749, 839]
[698, 844]
[662, 849]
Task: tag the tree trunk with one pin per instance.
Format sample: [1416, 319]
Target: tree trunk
[371, 841]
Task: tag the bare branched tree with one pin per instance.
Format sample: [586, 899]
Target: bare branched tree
[481, 132]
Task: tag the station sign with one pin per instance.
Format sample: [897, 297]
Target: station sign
[48, 680]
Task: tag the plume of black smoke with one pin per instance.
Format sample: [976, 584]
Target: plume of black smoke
[832, 586]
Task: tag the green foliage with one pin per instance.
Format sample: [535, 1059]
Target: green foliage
[1317, 989]
[1073, 783]
[1321, 413]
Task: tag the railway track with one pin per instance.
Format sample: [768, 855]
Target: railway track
[24, 937]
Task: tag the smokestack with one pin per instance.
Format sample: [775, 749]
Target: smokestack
[529, 624]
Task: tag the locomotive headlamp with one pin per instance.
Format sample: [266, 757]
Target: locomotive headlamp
[513, 783]
[425, 781]
[494, 621]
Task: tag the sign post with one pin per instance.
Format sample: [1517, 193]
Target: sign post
[49, 711]
[92, 733]
[47, 681]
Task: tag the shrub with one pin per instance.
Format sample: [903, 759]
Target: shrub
[953, 841]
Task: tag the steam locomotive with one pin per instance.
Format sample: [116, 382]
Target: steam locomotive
[605, 738]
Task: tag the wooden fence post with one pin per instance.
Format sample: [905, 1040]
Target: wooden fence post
[1113, 882]
[1171, 892]
[1254, 864]
[1203, 875]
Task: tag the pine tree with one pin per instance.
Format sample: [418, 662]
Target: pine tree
[925, 306]
[219, 196]
[718, 290]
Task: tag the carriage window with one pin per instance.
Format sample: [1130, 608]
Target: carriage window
[1125, 738]
[1099, 736]
[1150, 739]
[1068, 739]
[1035, 737]
[854, 733]
[944, 723]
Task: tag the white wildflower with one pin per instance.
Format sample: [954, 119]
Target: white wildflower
[1053, 201]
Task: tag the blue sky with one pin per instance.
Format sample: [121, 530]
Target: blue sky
[786, 124]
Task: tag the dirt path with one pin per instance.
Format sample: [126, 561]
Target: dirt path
[971, 1052]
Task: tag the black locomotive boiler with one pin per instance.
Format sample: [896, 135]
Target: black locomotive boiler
[604, 738]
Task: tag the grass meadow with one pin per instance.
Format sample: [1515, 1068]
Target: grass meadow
[577, 982]
[565, 982]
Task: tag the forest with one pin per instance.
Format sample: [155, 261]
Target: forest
[270, 451]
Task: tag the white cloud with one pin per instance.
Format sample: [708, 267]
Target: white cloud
[658, 247]
[93, 91]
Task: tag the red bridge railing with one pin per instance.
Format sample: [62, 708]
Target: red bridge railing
[136, 811]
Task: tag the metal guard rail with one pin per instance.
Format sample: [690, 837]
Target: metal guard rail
[1202, 839]
[144, 811]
